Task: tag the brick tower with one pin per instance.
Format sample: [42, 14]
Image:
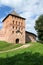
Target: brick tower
[14, 28]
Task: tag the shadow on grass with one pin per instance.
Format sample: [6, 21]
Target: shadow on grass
[26, 58]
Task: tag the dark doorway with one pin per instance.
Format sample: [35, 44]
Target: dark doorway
[17, 40]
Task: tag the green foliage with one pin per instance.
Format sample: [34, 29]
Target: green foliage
[39, 27]
[32, 55]
[26, 58]
[7, 46]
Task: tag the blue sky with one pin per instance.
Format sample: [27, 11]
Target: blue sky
[29, 9]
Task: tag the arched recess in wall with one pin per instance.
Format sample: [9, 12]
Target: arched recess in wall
[17, 40]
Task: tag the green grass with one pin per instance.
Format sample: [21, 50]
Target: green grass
[7, 46]
[32, 55]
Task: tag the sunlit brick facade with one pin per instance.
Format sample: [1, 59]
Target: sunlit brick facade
[13, 30]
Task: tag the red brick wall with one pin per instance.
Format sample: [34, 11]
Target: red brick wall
[10, 25]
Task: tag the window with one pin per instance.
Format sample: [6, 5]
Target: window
[13, 22]
[12, 31]
[16, 22]
[16, 27]
[13, 27]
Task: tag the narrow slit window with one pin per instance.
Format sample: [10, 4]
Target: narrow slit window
[16, 22]
[12, 31]
[13, 27]
[13, 22]
[16, 27]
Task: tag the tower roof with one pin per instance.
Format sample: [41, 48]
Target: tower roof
[14, 13]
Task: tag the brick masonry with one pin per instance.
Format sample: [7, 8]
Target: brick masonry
[13, 31]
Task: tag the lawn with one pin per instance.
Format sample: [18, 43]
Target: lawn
[32, 55]
[7, 46]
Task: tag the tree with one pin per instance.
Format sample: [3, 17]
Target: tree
[39, 27]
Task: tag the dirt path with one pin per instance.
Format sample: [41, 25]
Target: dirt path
[24, 46]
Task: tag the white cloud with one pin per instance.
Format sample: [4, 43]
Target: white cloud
[26, 8]
[12, 3]
[5, 2]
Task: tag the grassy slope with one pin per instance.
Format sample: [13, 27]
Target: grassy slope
[7, 46]
[29, 56]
